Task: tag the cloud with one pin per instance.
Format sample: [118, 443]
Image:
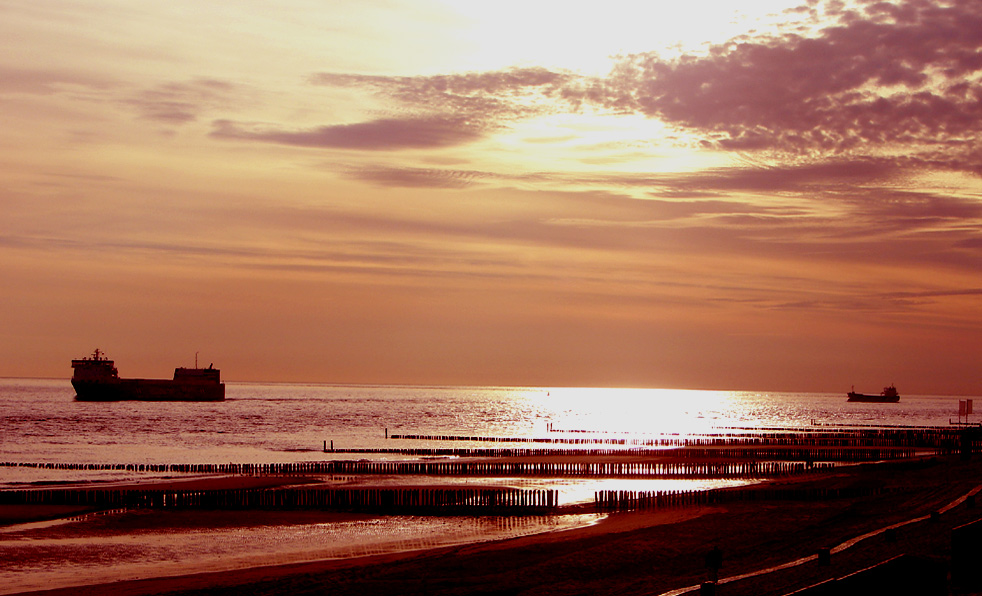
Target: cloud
[865, 194]
[182, 102]
[442, 111]
[176, 102]
[870, 78]
[864, 93]
[906, 74]
[488, 96]
[809, 176]
[853, 202]
[48, 81]
[383, 134]
[935, 294]
[416, 177]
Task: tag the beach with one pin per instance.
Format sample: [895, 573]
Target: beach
[643, 552]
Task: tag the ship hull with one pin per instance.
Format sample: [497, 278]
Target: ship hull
[146, 390]
[873, 399]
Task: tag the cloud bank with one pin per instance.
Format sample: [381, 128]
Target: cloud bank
[877, 79]
[884, 75]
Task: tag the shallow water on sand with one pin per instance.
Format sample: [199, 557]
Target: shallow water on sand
[122, 546]
[136, 544]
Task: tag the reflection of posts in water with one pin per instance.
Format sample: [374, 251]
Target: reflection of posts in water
[714, 560]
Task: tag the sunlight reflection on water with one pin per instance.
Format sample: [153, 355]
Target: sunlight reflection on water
[283, 422]
[648, 411]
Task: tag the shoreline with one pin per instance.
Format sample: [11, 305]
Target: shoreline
[643, 552]
[48, 526]
[611, 524]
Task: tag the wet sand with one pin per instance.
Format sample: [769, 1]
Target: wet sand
[19, 514]
[637, 553]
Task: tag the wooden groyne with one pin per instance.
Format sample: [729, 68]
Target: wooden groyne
[875, 438]
[828, 454]
[622, 500]
[321, 467]
[611, 501]
[568, 469]
[745, 469]
[484, 501]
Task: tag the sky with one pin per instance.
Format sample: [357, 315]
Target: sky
[777, 195]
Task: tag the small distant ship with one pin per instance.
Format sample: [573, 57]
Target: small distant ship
[889, 395]
[96, 379]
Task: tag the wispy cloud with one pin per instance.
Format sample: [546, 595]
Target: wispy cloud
[440, 111]
[181, 102]
[417, 177]
[174, 102]
[46, 81]
[379, 135]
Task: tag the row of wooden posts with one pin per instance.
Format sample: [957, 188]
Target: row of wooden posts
[509, 501]
[898, 436]
[421, 500]
[410, 500]
[319, 467]
[623, 500]
[644, 469]
[830, 454]
[922, 437]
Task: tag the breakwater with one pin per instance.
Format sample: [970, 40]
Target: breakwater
[642, 469]
[567, 469]
[324, 467]
[929, 437]
[828, 454]
[623, 500]
[441, 501]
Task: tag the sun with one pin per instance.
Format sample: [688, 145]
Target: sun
[584, 36]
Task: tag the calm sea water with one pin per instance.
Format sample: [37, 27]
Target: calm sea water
[274, 423]
[41, 422]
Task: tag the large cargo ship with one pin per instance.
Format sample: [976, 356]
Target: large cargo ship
[889, 395]
[96, 379]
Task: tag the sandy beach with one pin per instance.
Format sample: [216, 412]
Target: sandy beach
[652, 552]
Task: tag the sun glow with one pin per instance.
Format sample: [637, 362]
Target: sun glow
[585, 36]
[629, 413]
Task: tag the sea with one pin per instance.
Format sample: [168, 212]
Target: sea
[41, 423]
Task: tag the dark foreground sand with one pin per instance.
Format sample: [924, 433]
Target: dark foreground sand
[644, 553]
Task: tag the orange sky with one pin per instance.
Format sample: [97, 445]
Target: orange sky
[780, 197]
